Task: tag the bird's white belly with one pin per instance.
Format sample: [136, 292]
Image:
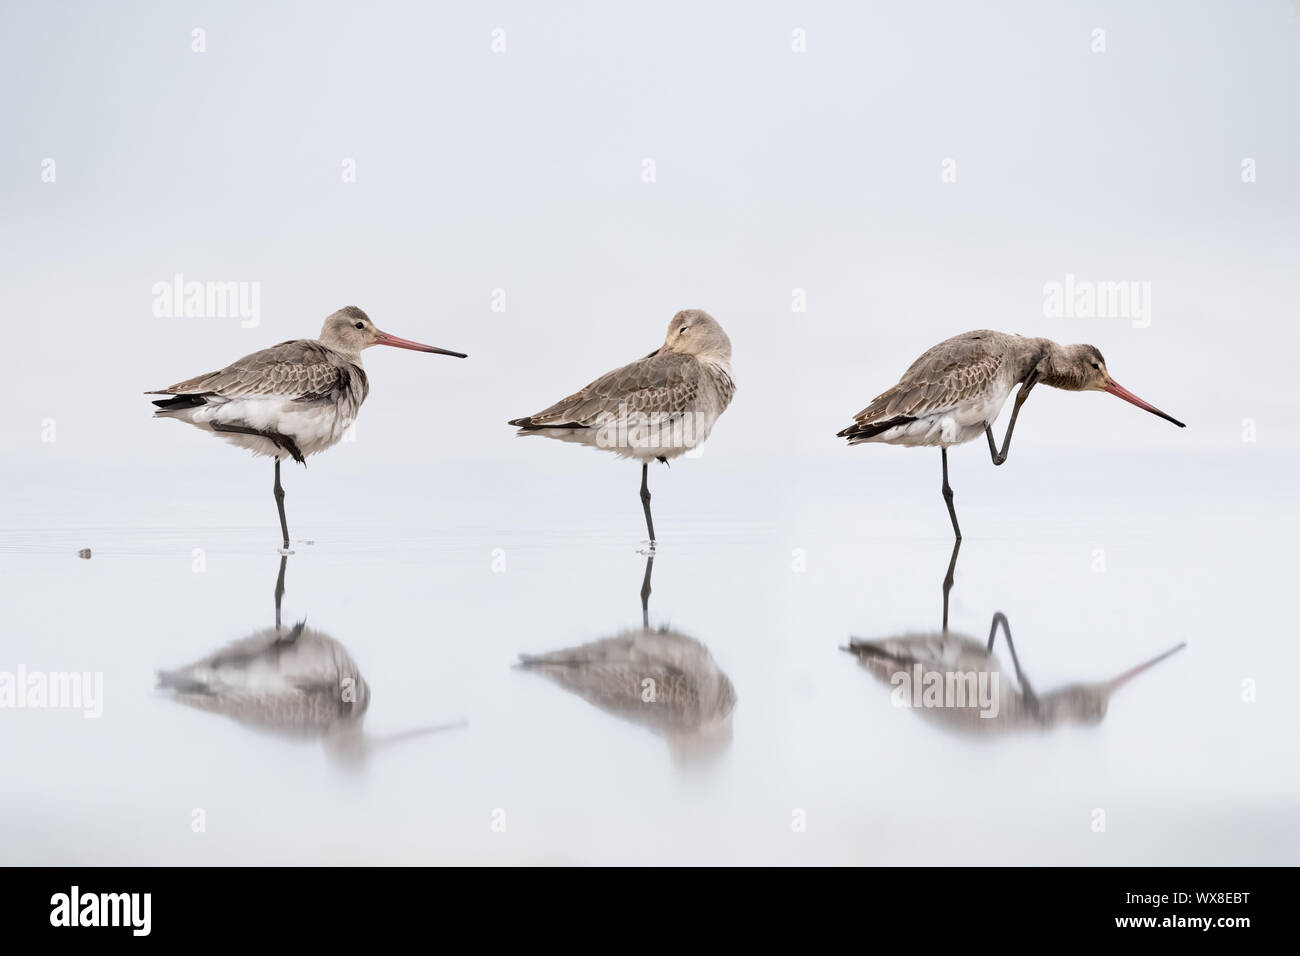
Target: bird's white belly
[665, 436]
[953, 426]
[313, 427]
[641, 437]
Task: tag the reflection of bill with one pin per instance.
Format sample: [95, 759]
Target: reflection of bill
[638, 432]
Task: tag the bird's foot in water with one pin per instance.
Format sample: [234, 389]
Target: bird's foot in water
[647, 548]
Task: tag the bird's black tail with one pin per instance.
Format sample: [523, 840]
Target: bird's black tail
[176, 403]
[861, 431]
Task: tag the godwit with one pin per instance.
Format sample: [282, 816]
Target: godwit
[658, 407]
[954, 392]
[961, 660]
[292, 400]
[300, 684]
[655, 677]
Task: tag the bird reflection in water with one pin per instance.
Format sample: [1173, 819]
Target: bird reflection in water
[655, 677]
[296, 682]
[958, 682]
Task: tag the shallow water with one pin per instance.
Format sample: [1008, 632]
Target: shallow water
[434, 580]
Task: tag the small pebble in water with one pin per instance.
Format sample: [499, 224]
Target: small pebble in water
[84, 553]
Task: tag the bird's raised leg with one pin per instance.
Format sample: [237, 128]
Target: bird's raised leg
[1021, 394]
[947, 497]
[999, 617]
[284, 441]
[947, 581]
[284, 525]
[645, 591]
[645, 500]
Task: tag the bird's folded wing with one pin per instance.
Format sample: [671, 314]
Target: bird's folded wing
[937, 382]
[655, 386]
[298, 369]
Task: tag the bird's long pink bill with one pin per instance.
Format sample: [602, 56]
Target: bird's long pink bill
[1128, 675]
[386, 339]
[1119, 390]
[398, 738]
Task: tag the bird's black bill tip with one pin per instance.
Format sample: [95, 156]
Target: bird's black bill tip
[1119, 391]
[1169, 418]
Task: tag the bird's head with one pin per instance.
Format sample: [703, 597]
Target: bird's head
[349, 330]
[1086, 703]
[1077, 703]
[1081, 368]
[695, 332]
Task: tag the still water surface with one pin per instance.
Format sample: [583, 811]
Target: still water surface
[425, 587]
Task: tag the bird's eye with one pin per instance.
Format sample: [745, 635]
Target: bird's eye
[362, 325]
[1094, 364]
[682, 330]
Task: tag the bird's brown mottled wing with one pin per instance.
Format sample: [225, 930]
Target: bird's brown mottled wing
[954, 370]
[300, 369]
[659, 384]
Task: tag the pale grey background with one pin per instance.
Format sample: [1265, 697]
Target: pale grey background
[775, 171]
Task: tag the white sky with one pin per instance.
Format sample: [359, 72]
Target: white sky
[522, 171]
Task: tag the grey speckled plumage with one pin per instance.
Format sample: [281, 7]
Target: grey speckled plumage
[661, 384]
[693, 698]
[659, 406]
[301, 369]
[955, 391]
[974, 370]
[293, 400]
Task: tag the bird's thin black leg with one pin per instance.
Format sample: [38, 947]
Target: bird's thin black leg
[279, 503]
[645, 500]
[645, 591]
[1021, 394]
[1001, 618]
[279, 589]
[947, 496]
[947, 581]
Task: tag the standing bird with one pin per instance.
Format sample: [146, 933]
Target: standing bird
[292, 400]
[954, 392]
[658, 407]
